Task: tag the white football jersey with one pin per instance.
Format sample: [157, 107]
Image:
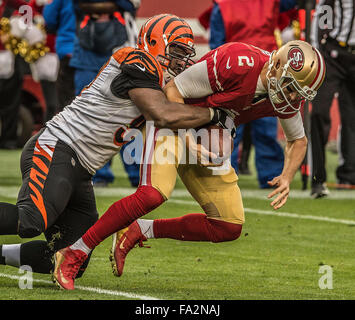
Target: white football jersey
[89, 125]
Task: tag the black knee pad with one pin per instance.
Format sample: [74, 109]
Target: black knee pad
[30, 223]
[8, 219]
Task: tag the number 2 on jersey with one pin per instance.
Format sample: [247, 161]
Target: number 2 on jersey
[244, 59]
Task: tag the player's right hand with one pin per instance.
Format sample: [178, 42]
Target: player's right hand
[282, 190]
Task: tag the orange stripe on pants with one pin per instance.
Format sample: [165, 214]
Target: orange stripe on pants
[38, 201]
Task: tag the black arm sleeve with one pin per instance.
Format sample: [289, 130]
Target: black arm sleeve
[133, 76]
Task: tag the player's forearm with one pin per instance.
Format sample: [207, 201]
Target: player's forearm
[154, 106]
[295, 152]
[182, 116]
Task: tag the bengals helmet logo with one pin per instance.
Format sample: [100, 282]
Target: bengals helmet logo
[297, 58]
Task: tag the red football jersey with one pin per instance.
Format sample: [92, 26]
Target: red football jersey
[233, 71]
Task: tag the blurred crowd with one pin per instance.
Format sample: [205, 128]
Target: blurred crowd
[51, 49]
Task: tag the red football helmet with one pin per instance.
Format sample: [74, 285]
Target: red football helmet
[169, 39]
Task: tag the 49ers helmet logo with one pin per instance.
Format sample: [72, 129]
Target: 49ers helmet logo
[297, 58]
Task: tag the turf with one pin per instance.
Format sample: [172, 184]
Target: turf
[276, 257]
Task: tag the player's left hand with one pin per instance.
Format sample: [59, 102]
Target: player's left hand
[224, 118]
[282, 188]
[203, 156]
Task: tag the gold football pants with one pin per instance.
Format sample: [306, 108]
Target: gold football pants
[164, 157]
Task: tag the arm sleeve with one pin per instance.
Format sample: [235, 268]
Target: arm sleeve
[138, 70]
[194, 81]
[293, 127]
[218, 35]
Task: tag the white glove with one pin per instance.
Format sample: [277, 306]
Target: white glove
[18, 28]
[34, 35]
[7, 64]
[46, 68]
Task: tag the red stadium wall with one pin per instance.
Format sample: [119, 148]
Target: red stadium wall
[188, 9]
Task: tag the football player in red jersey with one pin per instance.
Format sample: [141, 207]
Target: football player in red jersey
[251, 83]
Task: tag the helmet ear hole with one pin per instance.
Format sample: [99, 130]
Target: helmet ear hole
[153, 42]
[278, 63]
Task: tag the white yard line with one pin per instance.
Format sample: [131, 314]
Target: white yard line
[90, 289]
[11, 192]
[278, 213]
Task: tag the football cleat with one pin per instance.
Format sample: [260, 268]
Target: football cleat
[319, 190]
[123, 242]
[67, 265]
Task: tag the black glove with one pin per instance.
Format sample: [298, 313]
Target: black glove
[224, 119]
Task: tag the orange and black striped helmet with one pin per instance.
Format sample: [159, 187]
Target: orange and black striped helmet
[169, 39]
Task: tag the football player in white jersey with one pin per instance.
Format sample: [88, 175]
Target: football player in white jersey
[57, 164]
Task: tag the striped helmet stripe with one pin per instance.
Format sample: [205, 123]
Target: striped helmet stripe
[320, 72]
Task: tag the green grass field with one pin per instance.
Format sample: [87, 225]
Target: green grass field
[278, 256]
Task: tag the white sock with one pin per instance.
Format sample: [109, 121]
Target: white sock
[11, 253]
[80, 245]
[146, 227]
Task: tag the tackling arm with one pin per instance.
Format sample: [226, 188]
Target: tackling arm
[169, 114]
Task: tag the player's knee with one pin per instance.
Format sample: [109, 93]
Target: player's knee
[233, 232]
[29, 231]
[30, 225]
[150, 198]
[225, 231]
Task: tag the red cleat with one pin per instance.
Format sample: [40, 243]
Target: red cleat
[122, 243]
[67, 265]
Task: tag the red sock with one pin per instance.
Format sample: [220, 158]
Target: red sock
[196, 227]
[122, 213]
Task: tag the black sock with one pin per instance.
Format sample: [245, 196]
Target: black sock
[8, 219]
[2, 259]
[37, 255]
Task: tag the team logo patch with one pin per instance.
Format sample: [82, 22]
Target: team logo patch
[297, 56]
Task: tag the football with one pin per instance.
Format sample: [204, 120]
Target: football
[217, 141]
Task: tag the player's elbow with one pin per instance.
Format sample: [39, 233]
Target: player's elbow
[302, 142]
